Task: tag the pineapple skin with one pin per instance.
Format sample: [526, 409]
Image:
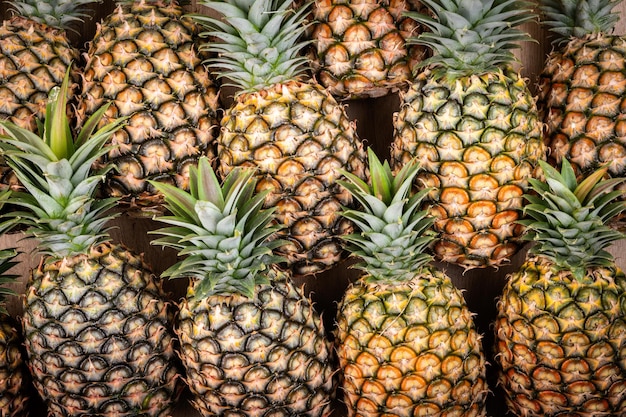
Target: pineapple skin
[560, 342]
[298, 137]
[98, 335]
[33, 59]
[361, 48]
[14, 378]
[410, 349]
[582, 100]
[478, 139]
[266, 355]
[144, 59]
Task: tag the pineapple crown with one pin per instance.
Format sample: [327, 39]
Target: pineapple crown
[257, 42]
[568, 220]
[56, 172]
[59, 14]
[393, 231]
[164, 2]
[7, 261]
[569, 19]
[471, 36]
[222, 231]
[7, 258]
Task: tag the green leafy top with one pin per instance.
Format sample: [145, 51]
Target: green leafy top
[568, 220]
[61, 14]
[472, 36]
[56, 171]
[578, 18]
[393, 231]
[221, 230]
[7, 257]
[7, 261]
[257, 42]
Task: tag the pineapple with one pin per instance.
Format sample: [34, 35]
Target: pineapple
[561, 323]
[14, 381]
[144, 61]
[407, 343]
[97, 326]
[582, 88]
[472, 122]
[251, 342]
[360, 46]
[35, 53]
[290, 128]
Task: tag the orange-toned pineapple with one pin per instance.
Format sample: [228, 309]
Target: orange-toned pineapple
[472, 122]
[361, 46]
[582, 88]
[406, 340]
[561, 325]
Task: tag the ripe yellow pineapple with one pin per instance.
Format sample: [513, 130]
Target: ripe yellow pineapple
[561, 324]
[145, 62]
[472, 122]
[251, 341]
[360, 46]
[407, 344]
[35, 53]
[96, 322]
[291, 129]
[14, 380]
[582, 88]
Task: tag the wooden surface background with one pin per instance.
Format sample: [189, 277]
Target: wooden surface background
[374, 124]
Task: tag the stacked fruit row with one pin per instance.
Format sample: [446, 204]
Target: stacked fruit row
[278, 184]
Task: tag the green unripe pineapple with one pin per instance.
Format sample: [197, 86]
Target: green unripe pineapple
[97, 325]
[251, 342]
[145, 63]
[287, 126]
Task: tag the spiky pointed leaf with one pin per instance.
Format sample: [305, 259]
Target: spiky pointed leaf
[393, 234]
[227, 243]
[59, 210]
[567, 219]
